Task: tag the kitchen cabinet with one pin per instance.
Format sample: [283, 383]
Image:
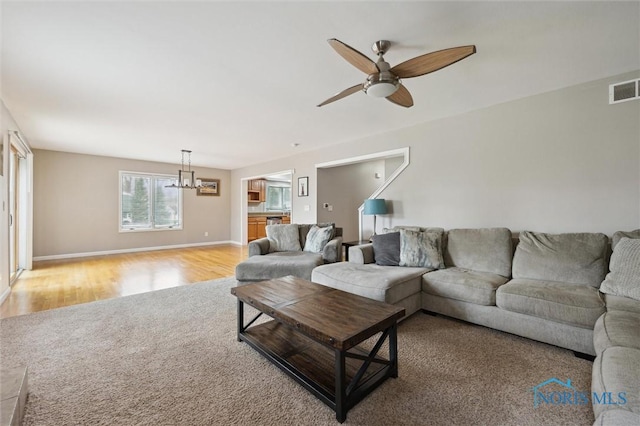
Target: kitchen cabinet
[256, 190]
[256, 227]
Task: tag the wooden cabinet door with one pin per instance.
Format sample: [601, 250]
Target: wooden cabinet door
[286, 219]
[262, 228]
[252, 231]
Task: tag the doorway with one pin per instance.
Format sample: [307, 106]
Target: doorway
[367, 176]
[265, 199]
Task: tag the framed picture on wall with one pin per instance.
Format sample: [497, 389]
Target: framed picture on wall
[303, 186]
[209, 187]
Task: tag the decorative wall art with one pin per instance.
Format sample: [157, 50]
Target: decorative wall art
[303, 186]
[209, 187]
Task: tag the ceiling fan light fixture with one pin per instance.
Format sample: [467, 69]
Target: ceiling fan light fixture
[381, 85]
[382, 89]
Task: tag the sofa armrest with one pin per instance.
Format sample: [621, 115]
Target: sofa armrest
[361, 254]
[332, 251]
[259, 247]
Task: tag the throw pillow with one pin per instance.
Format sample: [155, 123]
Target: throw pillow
[386, 249]
[624, 278]
[423, 249]
[283, 237]
[401, 227]
[304, 230]
[317, 238]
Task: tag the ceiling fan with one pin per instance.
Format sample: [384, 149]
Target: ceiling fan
[383, 81]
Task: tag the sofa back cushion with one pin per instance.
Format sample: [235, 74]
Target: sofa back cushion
[482, 250]
[579, 258]
[624, 278]
[283, 238]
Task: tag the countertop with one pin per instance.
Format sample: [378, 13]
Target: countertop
[269, 214]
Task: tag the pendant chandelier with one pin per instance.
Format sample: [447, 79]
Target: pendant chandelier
[186, 177]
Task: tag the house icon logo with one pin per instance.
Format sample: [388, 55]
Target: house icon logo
[539, 395]
[569, 395]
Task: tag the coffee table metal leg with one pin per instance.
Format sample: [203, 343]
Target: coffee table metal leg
[240, 318]
[341, 394]
[393, 349]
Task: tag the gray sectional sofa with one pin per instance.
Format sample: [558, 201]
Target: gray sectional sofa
[541, 286]
[616, 369]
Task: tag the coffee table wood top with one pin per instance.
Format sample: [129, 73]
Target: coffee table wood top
[330, 316]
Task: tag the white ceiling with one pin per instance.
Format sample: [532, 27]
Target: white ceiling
[238, 82]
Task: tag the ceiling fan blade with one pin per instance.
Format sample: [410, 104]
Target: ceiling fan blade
[354, 57]
[401, 97]
[343, 94]
[431, 62]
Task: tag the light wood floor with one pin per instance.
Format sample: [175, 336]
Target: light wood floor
[57, 283]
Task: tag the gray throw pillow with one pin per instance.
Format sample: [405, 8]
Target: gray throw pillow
[617, 236]
[283, 238]
[317, 238]
[624, 278]
[386, 249]
[400, 227]
[423, 249]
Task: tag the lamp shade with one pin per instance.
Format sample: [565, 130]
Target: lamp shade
[375, 206]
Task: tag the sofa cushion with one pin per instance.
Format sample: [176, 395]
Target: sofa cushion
[386, 249]
[624, 278]
[571, 258]
[279, 264]
[388, 284]
[485, 250]
[463, 284]
[617, 370]
[283, 237]
[572, 304]
[617, 328]
[617, 236]
[421, 249]
[317, 238]
[619, 303]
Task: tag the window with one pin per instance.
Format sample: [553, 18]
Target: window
[278, 198]
[146, 204]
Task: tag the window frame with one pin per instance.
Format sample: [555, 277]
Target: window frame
[153, 177]
[282, 188]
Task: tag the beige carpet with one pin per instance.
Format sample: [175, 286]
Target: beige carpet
[170, 357]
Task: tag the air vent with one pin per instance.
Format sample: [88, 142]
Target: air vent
[625, 91]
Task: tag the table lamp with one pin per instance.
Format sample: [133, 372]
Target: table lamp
[375, 206]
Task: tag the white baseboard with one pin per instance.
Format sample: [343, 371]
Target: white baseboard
[5, 294]
[132, 250]
[236, 243]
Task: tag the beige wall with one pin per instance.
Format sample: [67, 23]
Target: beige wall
[563, 161]
[76, 206]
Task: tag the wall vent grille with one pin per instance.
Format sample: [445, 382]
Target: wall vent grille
[624, 91]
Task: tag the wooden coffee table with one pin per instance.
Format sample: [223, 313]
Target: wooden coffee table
[314, 334]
